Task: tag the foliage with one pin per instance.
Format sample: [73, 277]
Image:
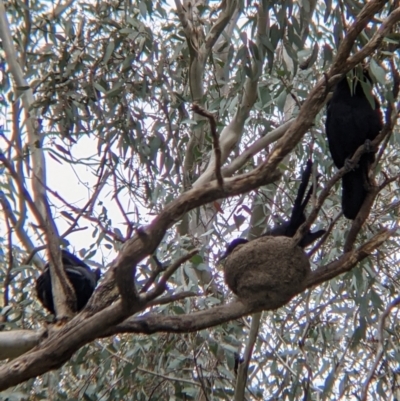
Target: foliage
[113, 85]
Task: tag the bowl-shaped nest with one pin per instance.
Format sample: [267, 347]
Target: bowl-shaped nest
[267, 272]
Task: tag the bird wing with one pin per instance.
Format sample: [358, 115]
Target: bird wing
[81, 273]
[72, 260]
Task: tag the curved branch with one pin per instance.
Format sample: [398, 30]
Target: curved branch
[220, 24]
[348, 260]
[217, 150]
[62, 290]
[88, 325]
[152, 323]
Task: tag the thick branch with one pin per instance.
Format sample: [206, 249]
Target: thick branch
[85, 328]
[152, 323]
[348, 260]
[363, 18]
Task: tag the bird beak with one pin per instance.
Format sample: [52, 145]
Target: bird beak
[222, 257]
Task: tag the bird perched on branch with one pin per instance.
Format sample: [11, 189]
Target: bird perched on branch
[353, 118]
[82, 278]
[297, 218]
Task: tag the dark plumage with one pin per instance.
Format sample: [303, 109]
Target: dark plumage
[231, 246]
[238, 360]
[350, 121]
[82, 278]
[297, 218]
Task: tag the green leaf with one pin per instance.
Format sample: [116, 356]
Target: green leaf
[109, 51]
[377, 72]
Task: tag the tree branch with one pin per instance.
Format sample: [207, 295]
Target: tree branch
[241, 380]
[87, 326]
[16, 342]
[217, 150]
[233, 132]
[83, 328]
[348, 260]
[221, 23]
[63, 293]
[162, 284]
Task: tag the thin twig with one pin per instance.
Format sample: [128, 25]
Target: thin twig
[172, 298]
[19, 230]
[7, 278]
[200, 376]
[154, 274]
[22, 190]
[122, 358]
[248, 352]
[325, 192]
[85, 210]
[325, 236]
[119, 204]
[217, 150]
[162, 284]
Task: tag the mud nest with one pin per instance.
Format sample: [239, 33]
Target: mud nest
[267, 272]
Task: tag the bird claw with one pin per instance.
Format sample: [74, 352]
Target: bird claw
[368, 148]
[349, 165]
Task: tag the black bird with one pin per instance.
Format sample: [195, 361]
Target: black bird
[350, 122]
[232, 245]
[82, 278]
[238, 360]
[297, 218]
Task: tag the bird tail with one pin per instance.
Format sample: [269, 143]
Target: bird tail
[354, 189]
[297, 217]
[310, 237]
